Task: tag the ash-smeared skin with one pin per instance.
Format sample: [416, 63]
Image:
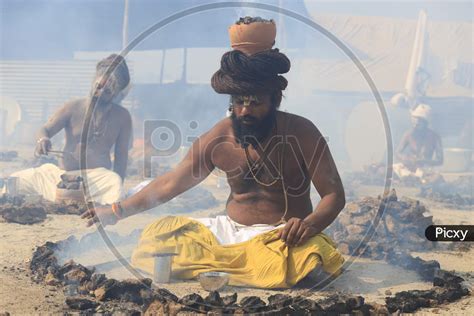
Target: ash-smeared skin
[71, 118]
[307, 160]
[420, 146]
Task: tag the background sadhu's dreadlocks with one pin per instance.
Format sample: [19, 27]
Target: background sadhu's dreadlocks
[120, 73]
[243, 75]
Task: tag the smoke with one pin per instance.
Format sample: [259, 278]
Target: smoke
[92, 251]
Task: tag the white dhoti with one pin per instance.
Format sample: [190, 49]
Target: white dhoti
[229, 232]
[105, 186]
[402, 171]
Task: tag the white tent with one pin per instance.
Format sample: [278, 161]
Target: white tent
[387, 44]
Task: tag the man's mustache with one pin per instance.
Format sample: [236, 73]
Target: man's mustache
[248, 119]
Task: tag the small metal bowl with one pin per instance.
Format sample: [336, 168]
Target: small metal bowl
[213, 281]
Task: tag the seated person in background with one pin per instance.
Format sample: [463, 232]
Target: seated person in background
[420, 148]
[271, 236]
[110, 127]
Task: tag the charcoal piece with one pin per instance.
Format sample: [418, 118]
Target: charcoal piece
[449, 294]
[77, 276]
[409, 301]
[377, 309]
[231, 309]
[445, 278]
[128, 290]
[193, 301]
[287, 310]
[80, 303]
[51, 279]
[97, 280]
[252, 304]
[426, 269]
[214, 299]
[366, 310]
[157, 307]
[229, 299]
[73, 186]
[334, 304]
[280, 300]
[61, 185]
[355, 302]
[123, 309]
[43, 259]
[72, 266]
[174, 308]
[70, 178]
[215, 311]
[69, 207]
[401, 218]
[25, 215]
[16, 200]
[167, 295]
[304, 304]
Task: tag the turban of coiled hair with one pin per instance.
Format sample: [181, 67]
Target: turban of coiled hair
[260, 72]
[119, 65]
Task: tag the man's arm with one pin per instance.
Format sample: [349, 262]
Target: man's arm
[122, 146]
[56, 122]
[401, 148]
[325, 177]
[195, 167]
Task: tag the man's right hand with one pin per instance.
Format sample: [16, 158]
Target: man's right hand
[104, 215]
[43, 146]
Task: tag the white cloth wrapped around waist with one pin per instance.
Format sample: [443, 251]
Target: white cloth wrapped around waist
[105, 186]
[230, 232]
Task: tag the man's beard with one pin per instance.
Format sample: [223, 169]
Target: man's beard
[255, 132]
[103, 99]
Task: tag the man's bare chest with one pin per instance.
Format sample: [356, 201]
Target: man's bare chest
[259, 171]
[100, 129]
[421, 145]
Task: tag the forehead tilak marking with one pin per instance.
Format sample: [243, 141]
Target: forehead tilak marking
[247, 99]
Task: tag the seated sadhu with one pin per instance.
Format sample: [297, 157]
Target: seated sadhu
[110, 127]
[271, 237]
[420, 148]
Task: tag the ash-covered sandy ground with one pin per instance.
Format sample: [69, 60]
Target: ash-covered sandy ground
[373, 279]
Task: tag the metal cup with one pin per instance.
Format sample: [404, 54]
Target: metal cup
[162, 268]
[12, 185]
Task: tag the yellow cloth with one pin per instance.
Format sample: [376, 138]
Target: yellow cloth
[263, 261]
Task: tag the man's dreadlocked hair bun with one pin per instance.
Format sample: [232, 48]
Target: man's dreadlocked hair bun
[260, 72]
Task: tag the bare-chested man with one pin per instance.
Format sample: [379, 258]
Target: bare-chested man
[270, 158]
[420, 147]
[110, 127]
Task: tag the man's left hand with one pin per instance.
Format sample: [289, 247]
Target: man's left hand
[296, 232]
